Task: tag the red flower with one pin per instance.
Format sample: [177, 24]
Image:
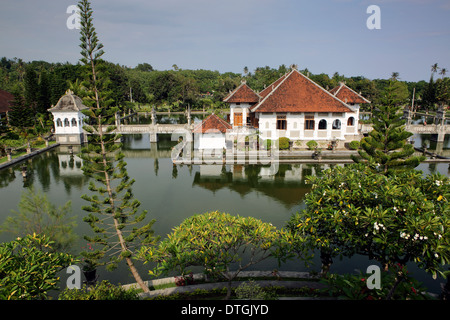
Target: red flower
[413, 290]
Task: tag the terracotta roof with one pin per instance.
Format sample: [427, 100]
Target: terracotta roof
[271, 87]
[68, 103]
[5, 101]
[243, 94]
[212, 124]
[295, 92]
[346, 94]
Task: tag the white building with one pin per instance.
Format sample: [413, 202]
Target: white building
[295, 107]
[211, 133]
[68, 119]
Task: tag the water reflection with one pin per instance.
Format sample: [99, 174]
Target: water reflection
[172, 193]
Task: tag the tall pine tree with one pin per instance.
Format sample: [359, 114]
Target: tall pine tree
[386, 147]
[113, 211]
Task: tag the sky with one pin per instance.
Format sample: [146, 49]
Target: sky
[325, 36]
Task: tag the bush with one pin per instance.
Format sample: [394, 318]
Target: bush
[312, 144]
[354, 145]
[101, 291]
[283, 143]
[250, 290]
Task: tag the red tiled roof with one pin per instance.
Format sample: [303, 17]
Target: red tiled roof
[348, 95]
[5, 101]
[297, 93]
[212, 124]
[243, 94]
[270, 88]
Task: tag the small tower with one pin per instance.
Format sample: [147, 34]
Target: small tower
[68, 119]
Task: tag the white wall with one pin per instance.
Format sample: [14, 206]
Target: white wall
[70, 129]
[210, 141]
[295, 129]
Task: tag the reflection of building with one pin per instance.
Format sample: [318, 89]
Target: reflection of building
[68, 119]
[287, 185]
[70, 165]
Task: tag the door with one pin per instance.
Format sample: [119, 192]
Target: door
[238, 119]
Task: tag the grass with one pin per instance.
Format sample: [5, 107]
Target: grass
[22, 151]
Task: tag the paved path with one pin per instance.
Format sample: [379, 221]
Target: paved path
[305, 280]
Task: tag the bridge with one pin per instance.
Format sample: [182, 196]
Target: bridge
[437, 129]
[154, 128]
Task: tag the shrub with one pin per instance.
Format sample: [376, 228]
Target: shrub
[101, 291]
[312, 144]
[283, 143]
[354, 145]
[250, 290]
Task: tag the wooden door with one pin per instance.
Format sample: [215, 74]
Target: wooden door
[238, 119]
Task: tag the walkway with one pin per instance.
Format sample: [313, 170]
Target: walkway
[305, 279]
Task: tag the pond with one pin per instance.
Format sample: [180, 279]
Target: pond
[173, 193]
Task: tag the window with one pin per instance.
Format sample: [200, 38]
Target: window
[281, 123]
[74, 122]
[336, 124]
[309, 122]
[66, 122]
[323, 124]
[351, 121]
[58, 122]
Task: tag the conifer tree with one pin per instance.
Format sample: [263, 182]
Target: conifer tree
[386, 147]
[113, 210]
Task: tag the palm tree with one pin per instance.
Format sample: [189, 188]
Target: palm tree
[434, 68]
[395, 76]
[443, 72]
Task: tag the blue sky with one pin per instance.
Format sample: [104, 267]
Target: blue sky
[325, 36]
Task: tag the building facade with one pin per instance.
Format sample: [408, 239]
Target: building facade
[69, 120]
[297, 108]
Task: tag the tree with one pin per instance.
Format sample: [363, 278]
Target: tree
[391, 219]
[395, 76]
[215, 241]
[386, 148]
[37, 215]
[29, 266]
[113, 209]
[43, 94]
[145, 67]
[31, 87]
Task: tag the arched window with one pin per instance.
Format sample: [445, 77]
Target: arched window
[337, 124]
[323, 124]
[351, 121]
[74, 122]
[58, 122]
[66, 122]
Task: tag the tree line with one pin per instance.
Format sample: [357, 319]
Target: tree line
[42, 84]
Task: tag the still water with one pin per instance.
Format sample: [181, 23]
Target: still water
[171, 194]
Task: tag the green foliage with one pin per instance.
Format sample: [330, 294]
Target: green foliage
[37, 215]
[386, 147]
[215, 241]
[283, 143]
[312, 144]
[391, 219]
[28, 268]
[250, 290]
[101, 291]
[354, 145]
[354, 286]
